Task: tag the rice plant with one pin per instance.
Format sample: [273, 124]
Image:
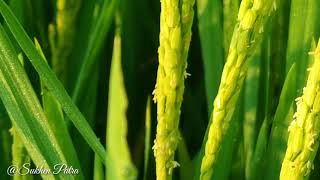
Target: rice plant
[166, 90]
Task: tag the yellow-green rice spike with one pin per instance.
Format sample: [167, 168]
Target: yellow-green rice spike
[252, 16]
[304, 130]
[175, 34]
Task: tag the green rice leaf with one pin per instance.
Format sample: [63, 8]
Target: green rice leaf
[20, 155]
[6, 141]
[304, 15]
[96, 40]
[147, 139]
[119, 165]
[279, 132]
[230, 14]
[251, 100]
[61, 36]
[98, 172]
[18, 81]
[88, 14]
[52, 82]
[54, 114]
[211, 33]
[297, 19]
[257, 161]
[262, 122]
[32, 144]
[23, 11]
[184, 158]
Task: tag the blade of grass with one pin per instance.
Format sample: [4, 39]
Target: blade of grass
[262, 117]
[54, 114]
[315, 173]
[97, 27]
[28, 101]
[62, 34]
[88, 14]
[19, 153]
[255, 167]
[98, 173]
[147, 139]
[211, 36]
[20, 156]
[84, 151]
[41, 10]
[118, 167]
[22, 127]
[303, 14]
[211, 33]
[184, 159]
[238, 161]
[52, 82]
[278, 137]
[259, 161]
[140, 41]
[6, 141]
[277, 56]
[230, 14]
[23, 11]
[251, 100]
[98, 35]
[95, 113]
[297, 19]
[264, 84]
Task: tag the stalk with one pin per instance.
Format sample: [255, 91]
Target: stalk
[304, 130]
[251, 19]
[175, 35]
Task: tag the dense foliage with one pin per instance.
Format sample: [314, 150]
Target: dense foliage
[177, 89]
